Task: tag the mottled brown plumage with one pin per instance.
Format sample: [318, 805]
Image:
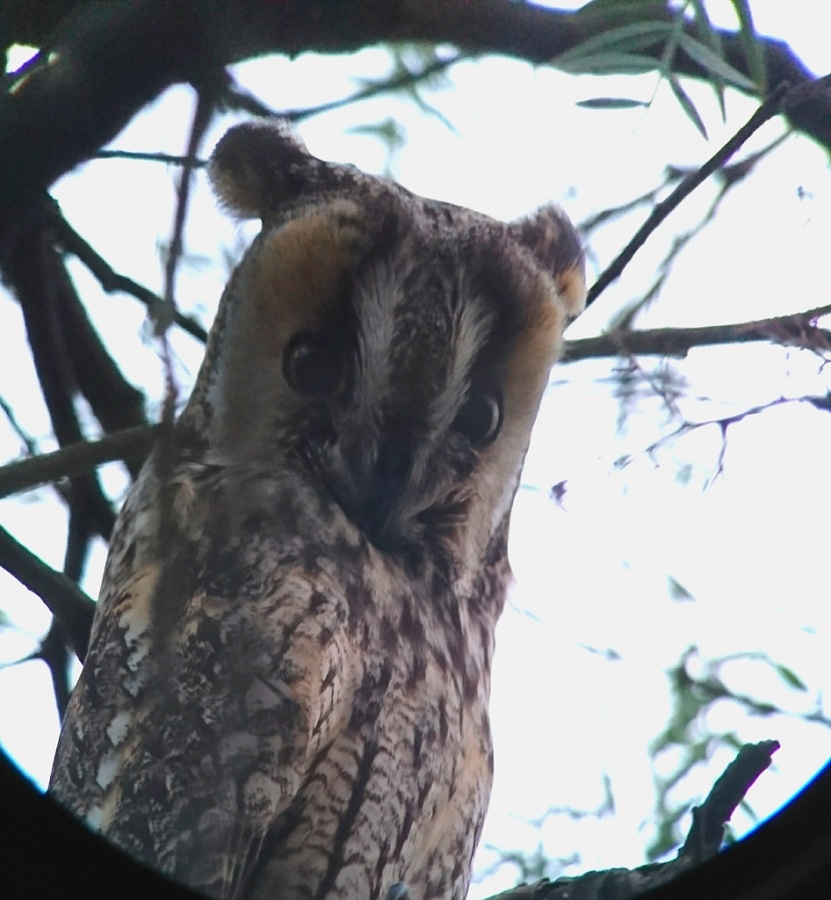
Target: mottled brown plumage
[286, 693]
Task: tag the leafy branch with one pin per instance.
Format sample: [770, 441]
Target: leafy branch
[76, 101]
[783, 96]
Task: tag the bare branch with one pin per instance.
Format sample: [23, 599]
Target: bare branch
[707, 832]
[724, 423]
[703, 842]
[111, 281]
[794, 330]
[131, 445]
[156, 156]
[35, 271]
[27, 440]
[206, 105]
[64, 599]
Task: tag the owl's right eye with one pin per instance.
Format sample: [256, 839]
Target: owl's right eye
[313, 366]
[480, 418]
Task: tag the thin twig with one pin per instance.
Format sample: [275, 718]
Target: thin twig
[724, 424]
[132, 444]
[28, 441]
[170, 159]
[64, 599]
[111, 281]
[776, 101]
[53, 651]
[402, 80]
[205, 106]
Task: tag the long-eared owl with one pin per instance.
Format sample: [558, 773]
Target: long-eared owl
[286, 692]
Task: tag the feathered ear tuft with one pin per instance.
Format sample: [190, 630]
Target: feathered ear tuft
[555, 244]
[260, 166]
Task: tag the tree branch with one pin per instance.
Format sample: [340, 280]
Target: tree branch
[707, 833]
[63, 598]
[36, 272]
[111, 281]
[68, 108]
[780, 98]
[131, 445]
[703, 842]
[795, 330]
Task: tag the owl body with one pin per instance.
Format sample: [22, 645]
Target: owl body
[287, 684]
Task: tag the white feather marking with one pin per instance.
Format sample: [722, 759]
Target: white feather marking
[135, 620]
[119, 727]
[95, 818]
[471, 331]
[378, 299]
[108, 769]
[98, 818]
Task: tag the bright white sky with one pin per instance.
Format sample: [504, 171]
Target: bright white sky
[749, 546]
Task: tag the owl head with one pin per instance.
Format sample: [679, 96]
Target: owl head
[387, 350]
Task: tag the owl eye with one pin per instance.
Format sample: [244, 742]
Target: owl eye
[312, 365]
[480, 418]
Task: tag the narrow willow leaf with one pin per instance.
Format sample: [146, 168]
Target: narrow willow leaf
[389, 131]
[611, 103]
[791, 678]
[713, 40]
[608, 64]
[688, 106]
[678, 592]
[684, 474]
[705, 57]
[642, 9]
[626, 38]
[705, 27]
[753, 53]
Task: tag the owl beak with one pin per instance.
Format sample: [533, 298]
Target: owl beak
[379, 485]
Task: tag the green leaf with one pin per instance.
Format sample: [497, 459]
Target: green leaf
[687, 105]
[753, 52]
[626, 38]
[638, 9]
[713, 63]
[790, 678]
[389, 131]
[684, 474]
[611, 103]
[709, 35]
[713, 40]
[607, 64]
[677, 591]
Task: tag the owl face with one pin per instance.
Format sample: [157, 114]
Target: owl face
[390, 351]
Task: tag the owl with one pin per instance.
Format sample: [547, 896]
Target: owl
[286, 691]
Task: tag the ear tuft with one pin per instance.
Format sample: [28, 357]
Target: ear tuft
[259, 166]
[555, 244]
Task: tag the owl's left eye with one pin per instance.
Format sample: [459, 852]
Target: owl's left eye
[480, 418]
[313, 366]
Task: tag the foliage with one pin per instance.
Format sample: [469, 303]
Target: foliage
[93, 406]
